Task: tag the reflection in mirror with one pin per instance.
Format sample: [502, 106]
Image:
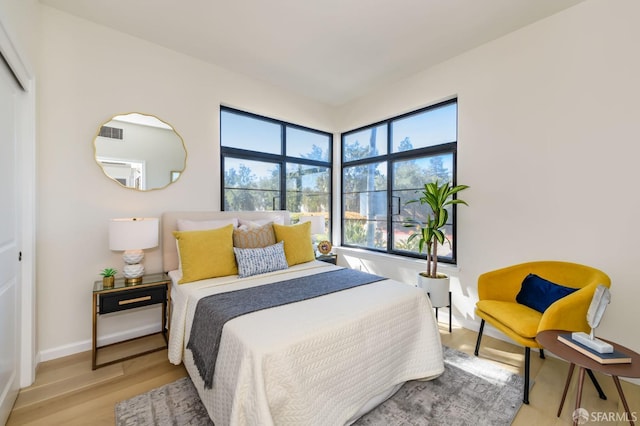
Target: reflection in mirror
[140, 151]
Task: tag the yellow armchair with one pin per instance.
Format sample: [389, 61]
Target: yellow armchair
[497, 305]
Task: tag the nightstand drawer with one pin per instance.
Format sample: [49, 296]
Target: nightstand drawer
[121, 300]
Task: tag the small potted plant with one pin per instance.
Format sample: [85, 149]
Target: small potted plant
[430, 233]
[108, 277]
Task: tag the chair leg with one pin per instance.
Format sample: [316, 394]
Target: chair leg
[542, 353]
[596, 384]
[479, 338]
[527, 358]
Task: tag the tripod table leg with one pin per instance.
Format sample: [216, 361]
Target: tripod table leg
[579, 394]
[623, 399]
[566, 387]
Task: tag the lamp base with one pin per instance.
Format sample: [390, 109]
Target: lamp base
[131, 257]
[133, 270]
[132, 281]
[133, 273]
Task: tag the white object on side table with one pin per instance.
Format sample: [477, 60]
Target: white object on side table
[601, 298]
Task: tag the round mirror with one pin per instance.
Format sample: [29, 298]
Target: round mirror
[140, 151]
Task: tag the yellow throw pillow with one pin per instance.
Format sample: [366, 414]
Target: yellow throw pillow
[297, 242]
[206, 254]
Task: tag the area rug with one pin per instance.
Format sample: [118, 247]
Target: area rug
[472, 391]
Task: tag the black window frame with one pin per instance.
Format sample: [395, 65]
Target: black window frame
[448, 148]
[282, 159]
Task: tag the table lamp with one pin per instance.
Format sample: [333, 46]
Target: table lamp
[133, 235]
[317, 227]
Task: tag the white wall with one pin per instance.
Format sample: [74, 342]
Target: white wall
[21, 19]
[548, 118]
[78, 91]
[548, 128]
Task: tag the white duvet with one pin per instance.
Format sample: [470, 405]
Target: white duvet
[317, 362]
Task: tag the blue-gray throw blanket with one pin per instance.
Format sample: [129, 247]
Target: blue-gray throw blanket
[212, 312]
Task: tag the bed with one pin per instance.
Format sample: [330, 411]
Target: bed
[320, 361]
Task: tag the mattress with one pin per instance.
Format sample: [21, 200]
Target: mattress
[321, 361]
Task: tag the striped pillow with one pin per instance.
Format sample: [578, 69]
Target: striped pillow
[254, 261]
[254, 236]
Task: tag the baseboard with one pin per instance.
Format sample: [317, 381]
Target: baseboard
[85, 345]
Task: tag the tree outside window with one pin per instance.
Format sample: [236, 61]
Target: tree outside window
[273, 165]
[384, 166]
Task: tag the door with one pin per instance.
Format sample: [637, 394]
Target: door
[10, 280]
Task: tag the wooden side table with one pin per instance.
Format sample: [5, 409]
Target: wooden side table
[153, 289]
[549, 340]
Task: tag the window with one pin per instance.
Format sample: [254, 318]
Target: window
[386, 164]
[272, 165]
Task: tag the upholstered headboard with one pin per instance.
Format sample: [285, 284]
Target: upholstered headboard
[170, 224]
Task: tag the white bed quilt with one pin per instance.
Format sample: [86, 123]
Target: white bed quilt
[315, 362]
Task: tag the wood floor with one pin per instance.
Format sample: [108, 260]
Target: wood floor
[68, 392]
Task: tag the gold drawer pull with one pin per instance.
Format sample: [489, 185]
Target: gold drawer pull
[137, 299]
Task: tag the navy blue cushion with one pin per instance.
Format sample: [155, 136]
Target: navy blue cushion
[538, 293]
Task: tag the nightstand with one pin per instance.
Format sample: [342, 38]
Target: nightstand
[153, 289]
[329, 258]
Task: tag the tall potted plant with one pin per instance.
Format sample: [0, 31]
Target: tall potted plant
[430, 233]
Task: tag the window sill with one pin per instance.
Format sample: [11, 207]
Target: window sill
[407, 262]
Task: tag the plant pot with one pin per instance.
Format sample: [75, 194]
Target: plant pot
[423, 283]
[108, 282]
[437, 288]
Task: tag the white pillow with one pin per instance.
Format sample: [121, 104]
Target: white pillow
[259, 222]
[203, 225]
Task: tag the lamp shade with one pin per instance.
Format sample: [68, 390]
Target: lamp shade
[317, 223]
[133, 233]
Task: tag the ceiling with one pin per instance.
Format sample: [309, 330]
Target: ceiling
[332, 51]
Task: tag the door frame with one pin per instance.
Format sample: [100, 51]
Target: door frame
[26, 152]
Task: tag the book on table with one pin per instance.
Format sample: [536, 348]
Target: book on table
[616, 357]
